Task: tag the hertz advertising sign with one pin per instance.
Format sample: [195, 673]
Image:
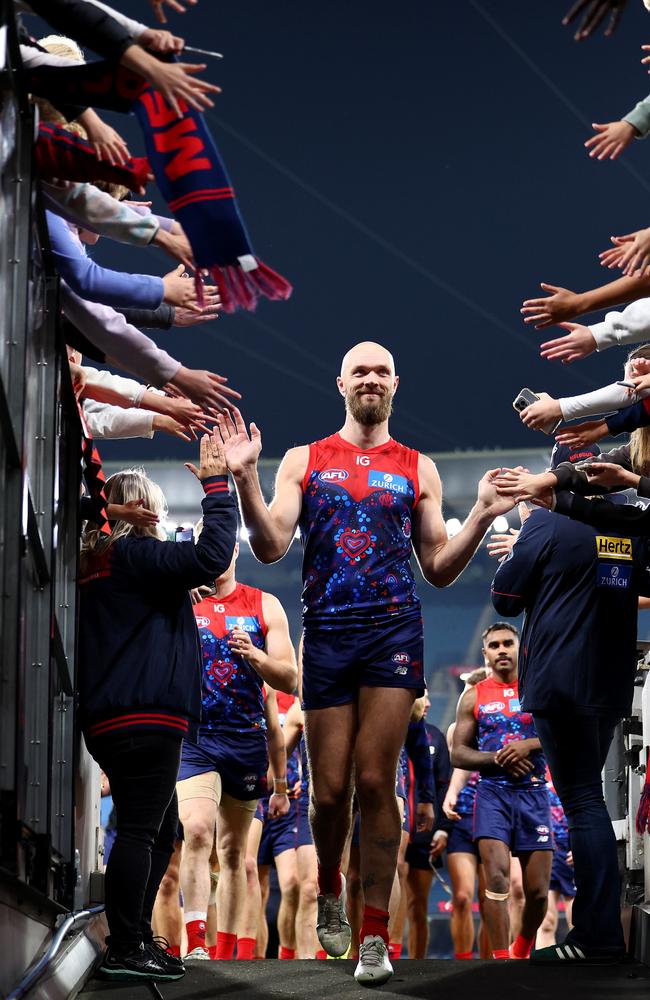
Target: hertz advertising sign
[613, 548]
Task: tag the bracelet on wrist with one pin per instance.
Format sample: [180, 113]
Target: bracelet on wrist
[280, 786]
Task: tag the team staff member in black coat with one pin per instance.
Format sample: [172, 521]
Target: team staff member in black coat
[579, 592]
[140, 690]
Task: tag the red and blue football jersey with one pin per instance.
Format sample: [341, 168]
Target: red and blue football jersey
[502, 721]
[355, 525]
[232, 690]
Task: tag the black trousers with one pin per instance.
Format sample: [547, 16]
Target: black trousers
[142, 770]
[576, 749]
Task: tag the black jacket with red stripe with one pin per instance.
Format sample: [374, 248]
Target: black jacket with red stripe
[139, 651]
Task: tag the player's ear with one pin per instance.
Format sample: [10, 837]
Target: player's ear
[339, 385]
[395, 383]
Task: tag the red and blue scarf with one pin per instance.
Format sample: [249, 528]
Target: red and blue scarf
[61, 154]
[189, 172]
[193, 181]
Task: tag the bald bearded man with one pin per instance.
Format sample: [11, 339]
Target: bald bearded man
[363, 503]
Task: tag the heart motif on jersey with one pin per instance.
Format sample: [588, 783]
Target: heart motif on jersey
[354, 543]
[223, 672]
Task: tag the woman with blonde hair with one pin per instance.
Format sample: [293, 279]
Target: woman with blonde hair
[139, 683]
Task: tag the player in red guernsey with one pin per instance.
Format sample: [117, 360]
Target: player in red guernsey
[363, 503]
[512, 813]
[245, 641]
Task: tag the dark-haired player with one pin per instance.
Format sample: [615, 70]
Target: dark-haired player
[512, 812]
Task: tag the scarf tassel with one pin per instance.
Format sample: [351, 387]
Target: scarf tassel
[240, 289]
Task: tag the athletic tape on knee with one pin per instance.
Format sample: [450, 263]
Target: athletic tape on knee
[498, 897]
[214, 882]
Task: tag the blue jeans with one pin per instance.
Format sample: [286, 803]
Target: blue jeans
[576, 748]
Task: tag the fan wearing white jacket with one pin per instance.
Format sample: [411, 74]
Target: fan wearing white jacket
[118, 407]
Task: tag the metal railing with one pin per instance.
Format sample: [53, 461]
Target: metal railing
[40, 438]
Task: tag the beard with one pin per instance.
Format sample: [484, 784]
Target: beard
[369, 413]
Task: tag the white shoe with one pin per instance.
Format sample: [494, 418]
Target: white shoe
[332, 925]
[197, 954]
[374, 966]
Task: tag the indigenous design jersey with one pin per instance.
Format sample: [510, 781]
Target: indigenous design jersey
[558, 818]
[285, 701]
[232, 691]
[502, 721]
[355, 526]
[466, 796]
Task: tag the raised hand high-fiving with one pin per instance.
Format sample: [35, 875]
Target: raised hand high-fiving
[241, 447]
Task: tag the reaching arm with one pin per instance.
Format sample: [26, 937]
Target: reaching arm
[276, 664]
[609, 397]
[294, 727]
[417, 748]
[606, 516]
[87, 23]
[443, 559]
[95, 283]
[561, 304]
[628, 327]
[459, 779]
[109, 331]
[463, 751]
[629, 419]
[279, 801]
[271, 529]
[89, 208]
[517, 577]
[107, 422]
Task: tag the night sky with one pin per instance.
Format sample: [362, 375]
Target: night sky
[415, 170]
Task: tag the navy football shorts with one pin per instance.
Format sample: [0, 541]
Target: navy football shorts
[417, 854]
[461, 837]
[279, 834]
[520, 817]
[336, 663]
[562, 874]
[240, 759]
[305, 838]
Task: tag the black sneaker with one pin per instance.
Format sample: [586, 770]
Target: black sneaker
[140, 963]
[159, 948]
[572, 954]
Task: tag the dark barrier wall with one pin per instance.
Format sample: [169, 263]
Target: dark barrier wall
[39, 489]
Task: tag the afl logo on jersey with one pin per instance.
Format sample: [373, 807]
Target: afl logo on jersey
[333, 476]
[492, 707]
[401, 658]
[203, 622]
